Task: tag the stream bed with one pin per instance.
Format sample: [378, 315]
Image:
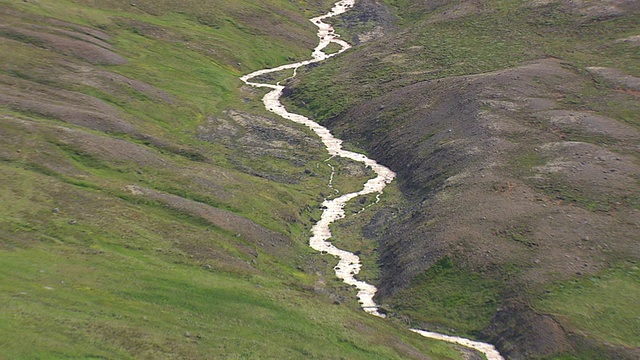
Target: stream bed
[349, 264]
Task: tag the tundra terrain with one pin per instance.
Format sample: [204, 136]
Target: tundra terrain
[151, 208]
[514, 128]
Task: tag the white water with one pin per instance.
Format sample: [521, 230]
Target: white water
[349, 263]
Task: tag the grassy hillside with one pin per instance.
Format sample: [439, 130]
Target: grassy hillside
[150, 207]
[513, 127]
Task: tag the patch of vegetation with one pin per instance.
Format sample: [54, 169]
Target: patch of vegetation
[601, 306]
[332, 48]
[349, 176]
[560, 189]
[192, 312]
[448, 297]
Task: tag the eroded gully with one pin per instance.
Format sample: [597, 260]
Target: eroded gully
[349, 264]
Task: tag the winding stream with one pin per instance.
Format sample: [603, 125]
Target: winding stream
[349, 263]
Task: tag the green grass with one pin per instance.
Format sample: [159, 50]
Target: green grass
[90, 270]
[447, 296]
[349, 176]
[63, 292]
[601, 306]
[332, 48]
[90, 311]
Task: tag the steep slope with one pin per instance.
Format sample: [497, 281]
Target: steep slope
[150, 207]
[513, 127]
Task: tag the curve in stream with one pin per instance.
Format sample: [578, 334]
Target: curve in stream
[349, 263]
